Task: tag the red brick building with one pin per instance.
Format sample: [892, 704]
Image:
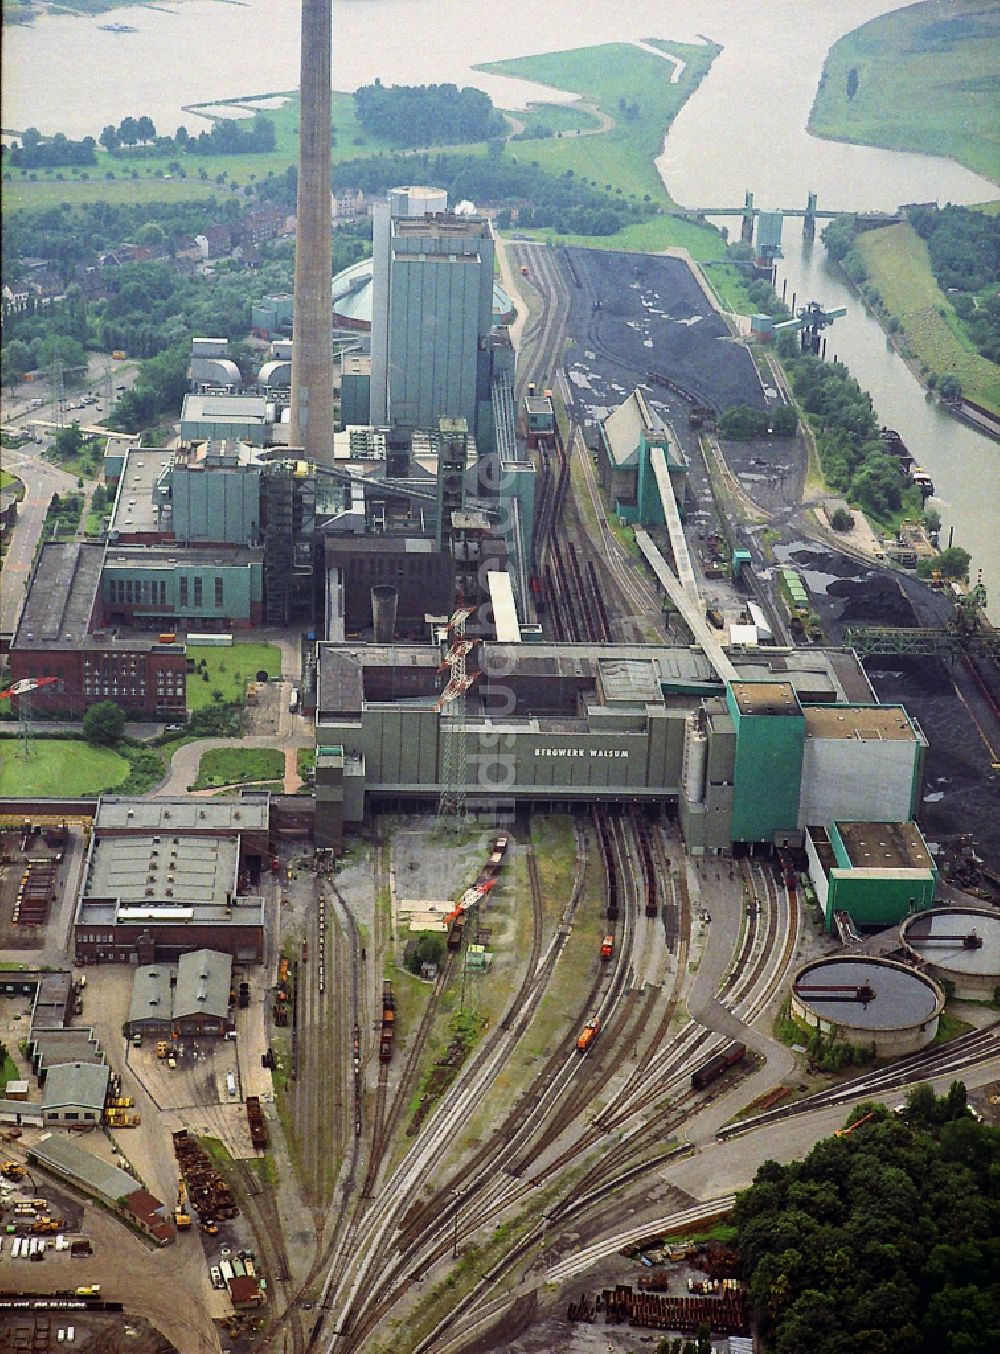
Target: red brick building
[60, 634]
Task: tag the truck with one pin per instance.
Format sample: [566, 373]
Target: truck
[589, 1034]
[230, 1085]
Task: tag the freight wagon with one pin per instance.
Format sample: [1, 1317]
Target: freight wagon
[388, 1025]
[455, 933]
[258, 1128]
[713, 1069]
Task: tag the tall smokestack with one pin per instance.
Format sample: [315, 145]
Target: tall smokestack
[311, 424]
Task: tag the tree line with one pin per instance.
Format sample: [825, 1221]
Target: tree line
[882, 1241]
[852, 454]
[427, 115]
[226, 136]
[34, 151]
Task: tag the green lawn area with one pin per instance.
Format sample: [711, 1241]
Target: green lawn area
[157, 182]
[926, 81]
[7, 480]
[899, 269]
[88, 464]
[622, 157]
[231, 766]
[59, 766]
[557, 117]
[228, 671]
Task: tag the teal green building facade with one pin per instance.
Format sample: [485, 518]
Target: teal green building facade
[767, 775]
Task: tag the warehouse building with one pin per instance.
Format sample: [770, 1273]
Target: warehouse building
[63, 633]
[189, 1000]
[169, 588]
[743, 762]
[626, 440]
[74, 1093]
[165, 877]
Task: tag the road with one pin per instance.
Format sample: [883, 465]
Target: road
[41, 480]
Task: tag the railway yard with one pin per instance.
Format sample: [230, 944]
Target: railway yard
[465, 1158]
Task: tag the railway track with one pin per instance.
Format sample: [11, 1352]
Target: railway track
[353, 1317]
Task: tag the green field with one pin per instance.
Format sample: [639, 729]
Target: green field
[228, 671]
[8, 481]
[557, 117]
[899, 269]
[59, 766]
[622, 158]
[927, 80]
[158, 182]
[233, 766]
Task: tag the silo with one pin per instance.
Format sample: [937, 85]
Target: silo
[417, 200]
[695, 757]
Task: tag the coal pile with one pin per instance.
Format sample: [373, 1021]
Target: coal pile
[631, 314]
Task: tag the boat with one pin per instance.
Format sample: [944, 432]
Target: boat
[117, 28]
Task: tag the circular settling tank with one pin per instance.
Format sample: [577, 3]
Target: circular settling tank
[869, 1001]
[959, 946]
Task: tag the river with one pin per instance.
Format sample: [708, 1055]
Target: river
[744, 128]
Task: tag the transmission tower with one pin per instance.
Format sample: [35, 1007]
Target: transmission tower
[22, 690]
[58, 387]
[451, 804]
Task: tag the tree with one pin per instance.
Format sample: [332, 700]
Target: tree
[950, 388]
[104, 723]
[842, 520]
[110, 139]
[145, 128]
[951, 563]
[932, 520]
[15, 360]
[852, 82]
[429, 949]
[68, 442]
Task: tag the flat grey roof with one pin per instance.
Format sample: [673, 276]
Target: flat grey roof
[79, 1083]
[224, 409]
[629, 679]
[902, 998]
[162, 556]
[62, 597]
[183, 815]
[885, 846]
[203, 979]
[135, 868]
[246, 910]
[135, 509]
[938, 934]
[69, 1159]
[864, 723]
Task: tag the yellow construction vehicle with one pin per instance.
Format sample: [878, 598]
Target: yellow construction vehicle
[182, 1218]
[12, 1170]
